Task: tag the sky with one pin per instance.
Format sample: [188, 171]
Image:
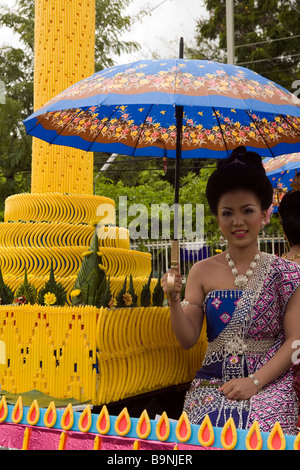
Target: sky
[158, 31]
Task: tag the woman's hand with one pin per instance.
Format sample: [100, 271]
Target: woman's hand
[239, 389]
[175, 295]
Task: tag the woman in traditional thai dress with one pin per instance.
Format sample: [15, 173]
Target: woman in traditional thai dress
[252, 308]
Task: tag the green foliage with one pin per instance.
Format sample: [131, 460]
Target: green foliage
[26, 290]
[152, 191]
[52, 287]
[91, 278]
[110, 25]
[6, 294]
[120, 295]
[131, 291]
[106, 296]
[261, 29]
[158, 295]
[146, 293]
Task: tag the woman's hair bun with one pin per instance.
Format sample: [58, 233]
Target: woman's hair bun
[242, 170]
[242, 155]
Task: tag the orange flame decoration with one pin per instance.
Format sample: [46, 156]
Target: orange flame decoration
[50, 415]
[276, 439]
[123, 423]
[3, 409]
[85, 420]
[103, 421]
[67, 419]
[163, 427]
[229, 435]
[17, 413]
[179, 433]
[206, 435]
[254, 440]
[33, 414]
[143, 427]
[183, 428]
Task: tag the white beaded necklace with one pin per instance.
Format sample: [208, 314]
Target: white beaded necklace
[240, 280]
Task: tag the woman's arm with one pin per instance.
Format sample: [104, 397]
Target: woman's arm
[243, 389]
[186, 321]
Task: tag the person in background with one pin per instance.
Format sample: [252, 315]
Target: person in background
[289, 211]
[251, 302]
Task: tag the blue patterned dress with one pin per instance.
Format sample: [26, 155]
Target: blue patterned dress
[252, 343]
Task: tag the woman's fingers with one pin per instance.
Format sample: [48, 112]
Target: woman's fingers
[172, 283]
[238, 389]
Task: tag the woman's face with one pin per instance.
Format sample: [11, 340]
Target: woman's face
[240, 217]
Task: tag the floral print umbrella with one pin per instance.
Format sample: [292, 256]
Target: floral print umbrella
[131, 109]
[281, 171]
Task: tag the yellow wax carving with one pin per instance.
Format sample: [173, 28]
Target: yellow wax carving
[64, 55]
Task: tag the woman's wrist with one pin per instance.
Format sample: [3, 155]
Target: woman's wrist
[255, 381]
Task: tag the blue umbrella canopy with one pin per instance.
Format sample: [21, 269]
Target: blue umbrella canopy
[282, 170]
[132, 109]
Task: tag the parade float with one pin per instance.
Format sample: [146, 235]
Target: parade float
[56, 336]
[82, 320]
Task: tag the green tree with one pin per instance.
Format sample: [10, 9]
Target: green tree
[152, 189]
[266, 37]
[110, 25]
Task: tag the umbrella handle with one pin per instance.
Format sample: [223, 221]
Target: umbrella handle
[175, 266]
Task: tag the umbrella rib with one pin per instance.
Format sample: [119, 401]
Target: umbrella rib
[223, 137]
[58, 133]
[141, 129]
[92, 143]
[259, 130]
[287, 122]
[62, 130]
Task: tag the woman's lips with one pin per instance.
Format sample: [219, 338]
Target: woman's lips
[240, 233]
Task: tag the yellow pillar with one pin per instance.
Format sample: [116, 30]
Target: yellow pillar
[64, 55]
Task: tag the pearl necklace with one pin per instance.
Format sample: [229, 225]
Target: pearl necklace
[240, 280]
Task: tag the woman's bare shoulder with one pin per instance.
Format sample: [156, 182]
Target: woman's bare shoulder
[209, 274]
[214, 262]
